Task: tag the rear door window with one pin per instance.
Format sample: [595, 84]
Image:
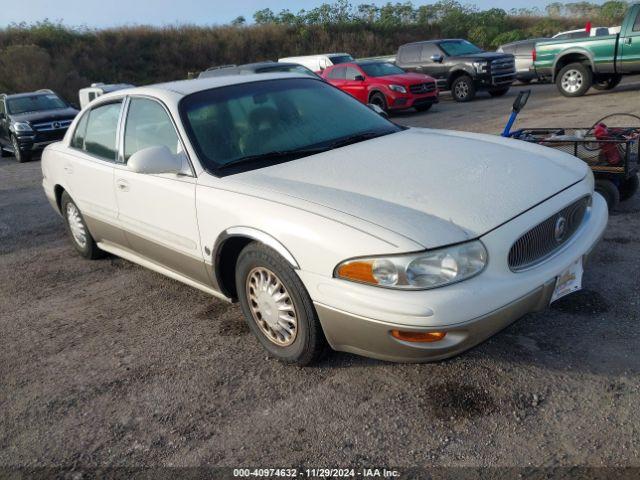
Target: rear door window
[410, 53]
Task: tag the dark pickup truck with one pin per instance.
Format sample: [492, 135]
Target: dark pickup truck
[459, 66]
[31, 121]
[599, 62]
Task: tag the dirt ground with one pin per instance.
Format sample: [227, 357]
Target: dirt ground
[104, 363]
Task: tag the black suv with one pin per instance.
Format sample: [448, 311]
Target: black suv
[459, 66]
[31, 121]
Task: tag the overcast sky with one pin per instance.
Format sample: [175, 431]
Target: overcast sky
[106, 13]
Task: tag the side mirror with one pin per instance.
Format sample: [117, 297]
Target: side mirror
[378, 110]
[359, 78]
[155, 160]
[437, 58]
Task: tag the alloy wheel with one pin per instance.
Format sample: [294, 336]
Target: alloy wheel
[76, 226]
[572, 81]
[462, 89]
[271, 306]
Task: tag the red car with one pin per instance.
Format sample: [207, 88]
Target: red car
[384, 84]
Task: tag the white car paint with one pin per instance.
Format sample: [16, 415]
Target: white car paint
[315, 63]
[400, 193]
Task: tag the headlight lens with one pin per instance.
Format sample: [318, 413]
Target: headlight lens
[398, 88]
[480, 66]
[22, 127]
[418, 271]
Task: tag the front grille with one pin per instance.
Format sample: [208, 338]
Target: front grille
[421, 88]
[52, 125]
[503, 66]
[547, 237]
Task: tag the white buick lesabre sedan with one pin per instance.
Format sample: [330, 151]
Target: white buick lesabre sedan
[328, 223]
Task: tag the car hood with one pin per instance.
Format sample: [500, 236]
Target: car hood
[434, 187]
[407, 78]
[483, 56]
[46, 115]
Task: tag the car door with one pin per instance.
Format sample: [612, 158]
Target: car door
[630, 46]
[355, 84]
[436, 69]
[88, 166]
[157, 211]
[4, 124]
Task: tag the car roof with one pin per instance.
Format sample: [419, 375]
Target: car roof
[29, 94]
[181, 88]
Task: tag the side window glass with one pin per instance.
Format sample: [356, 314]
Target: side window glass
[411, 53]
[352, 73]
[100, 138]
[636, 24]
[338, 73]
[148, 125]
[78, 136]
[428, 50]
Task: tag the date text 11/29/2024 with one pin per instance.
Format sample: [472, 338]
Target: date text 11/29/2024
[315, 472]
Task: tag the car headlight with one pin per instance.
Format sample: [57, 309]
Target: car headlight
[398, 88]
[22, 127]
[417, 271]
[480, 67]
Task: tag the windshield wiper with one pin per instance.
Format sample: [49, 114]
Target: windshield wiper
[358, 137]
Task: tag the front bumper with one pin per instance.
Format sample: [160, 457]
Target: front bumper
[36, 141]
[402, 101]
[358, 319]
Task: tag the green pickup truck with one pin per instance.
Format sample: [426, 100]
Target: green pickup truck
[598, 62]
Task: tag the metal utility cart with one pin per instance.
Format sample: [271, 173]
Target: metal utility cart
[610, 152]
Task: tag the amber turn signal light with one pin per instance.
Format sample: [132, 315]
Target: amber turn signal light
[358, 271]
[418, 337]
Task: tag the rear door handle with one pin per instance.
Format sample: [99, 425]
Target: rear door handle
[122, 185]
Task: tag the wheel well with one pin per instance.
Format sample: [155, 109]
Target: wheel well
[571, 58]
[58, 190]
[373, 92]
[226, 258]
[457, 74]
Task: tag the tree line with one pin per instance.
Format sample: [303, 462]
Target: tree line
[65, 58]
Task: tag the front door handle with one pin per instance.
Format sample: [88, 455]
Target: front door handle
[628, 41]
[122, 185]
[68, 169]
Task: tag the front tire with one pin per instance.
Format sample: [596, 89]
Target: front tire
[574, 80]
[423, 108]
[277, 307]
[77, 229]
[378, 99]
[463, 89]
[498, 92]
[609, 191]
[21, 156]
[608, 83]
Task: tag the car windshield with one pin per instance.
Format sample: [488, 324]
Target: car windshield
[35, 103]
[455, 48]
[252, 125]
[381, 69]
[336, 59]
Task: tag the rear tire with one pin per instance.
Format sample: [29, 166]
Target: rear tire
[378, 99]
[574, 80]
[270, 293]
[21, 156]
[609, 191]
[628, 188]
[463, 89]
[498, 92]
[607, 83]
[77, 229]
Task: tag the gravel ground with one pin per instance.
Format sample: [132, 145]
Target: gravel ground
[105, 363]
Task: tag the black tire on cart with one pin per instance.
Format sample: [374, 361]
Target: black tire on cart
[607, 83]
[609, 191]
[628, 188]
[574, 80]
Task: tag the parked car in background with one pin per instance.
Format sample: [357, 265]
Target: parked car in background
[384, 84]
[522, 51]
[259, 67]
[31, 121]
[327, 222]
[88, 94]
[459, 66]
[317, 63]
[599, 62]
